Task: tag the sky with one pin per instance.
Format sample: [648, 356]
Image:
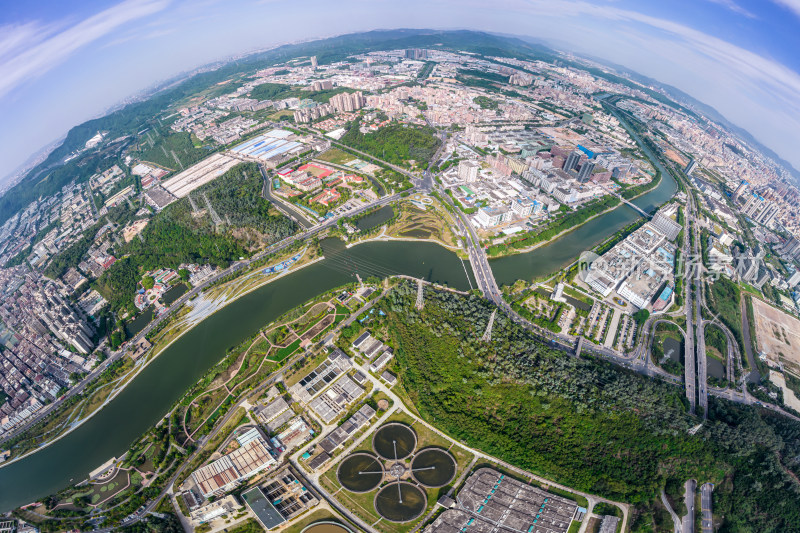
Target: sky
[62, 63]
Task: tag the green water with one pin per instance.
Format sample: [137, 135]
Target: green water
[148, 397]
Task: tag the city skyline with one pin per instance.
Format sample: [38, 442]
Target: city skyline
[62, 66]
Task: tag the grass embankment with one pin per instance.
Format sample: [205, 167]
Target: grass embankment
[725, 301]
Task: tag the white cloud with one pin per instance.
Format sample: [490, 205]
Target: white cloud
[792, 5]
[30, 50]
[733, 6]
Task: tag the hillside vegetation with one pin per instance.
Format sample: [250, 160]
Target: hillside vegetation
[396, 143]
[586, 423]
[178, 235]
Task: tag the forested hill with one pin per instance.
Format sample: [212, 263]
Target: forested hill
[140, 115]
[586, 423]
[179, 235]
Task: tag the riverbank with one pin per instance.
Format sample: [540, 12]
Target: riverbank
[389, 238]
[516, 251]
[157, 350]
[146, 399]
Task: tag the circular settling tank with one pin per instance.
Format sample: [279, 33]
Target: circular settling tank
[327, 527]
[360, 472]
[394, 441]
[400, 502]
[433, 467]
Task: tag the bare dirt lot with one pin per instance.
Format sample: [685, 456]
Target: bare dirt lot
[675, 156]
[777, 335]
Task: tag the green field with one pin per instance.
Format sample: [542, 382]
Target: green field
[336, 156]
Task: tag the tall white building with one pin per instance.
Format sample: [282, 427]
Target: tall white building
[468, 171]
[345, 102]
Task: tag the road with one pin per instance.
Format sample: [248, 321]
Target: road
[690, 487]
[639, 362]
[706, 491]
[274, 378]
[398, 405]
[676, 521]
[697, 281]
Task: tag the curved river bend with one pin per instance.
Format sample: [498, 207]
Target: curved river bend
[145, 400]
[559, 253]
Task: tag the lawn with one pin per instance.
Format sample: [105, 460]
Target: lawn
[336, 156]
[725, 301]
[283, 353]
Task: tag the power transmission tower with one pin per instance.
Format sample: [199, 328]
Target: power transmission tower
[420, 300]
[195, 209]
[487, 335]
[214, 215]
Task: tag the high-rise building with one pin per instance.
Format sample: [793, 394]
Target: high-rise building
[468, 171]
[767, 213]
[690, 167]
[416, 53]
[791, 247]
[322, 85]
[572, 161]
[345, 102]
[751, 205]
[586, 171]
[740, 190]
[313, 61]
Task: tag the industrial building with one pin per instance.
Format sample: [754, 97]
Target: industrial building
[199, 174]
[491, 501]
[349, 428]
[253, 456]
[270, 148]
[279, 499]
[322, 376]
[331, 403]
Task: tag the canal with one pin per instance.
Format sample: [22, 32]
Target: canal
[148, 397]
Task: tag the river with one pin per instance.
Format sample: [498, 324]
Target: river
[147, 398]
[561, 252]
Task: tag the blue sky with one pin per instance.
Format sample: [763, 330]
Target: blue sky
[62, 63]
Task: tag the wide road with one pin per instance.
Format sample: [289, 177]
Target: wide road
[232, 411]
[690, 487]
[700, 344]
[707, 524]
[689, 351]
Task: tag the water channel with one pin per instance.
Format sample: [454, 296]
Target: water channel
[147, 398]
[561, 252]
